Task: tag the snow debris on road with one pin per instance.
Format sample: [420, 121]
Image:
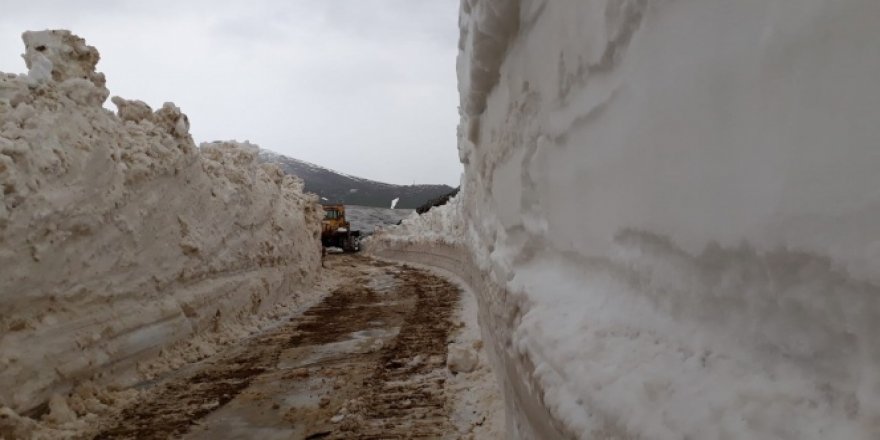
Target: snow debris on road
[121, 240]
[472, 387]
[669, 216]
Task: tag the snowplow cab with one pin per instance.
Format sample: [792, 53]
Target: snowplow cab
[336, 230]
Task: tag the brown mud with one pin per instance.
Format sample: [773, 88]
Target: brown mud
[368, 362]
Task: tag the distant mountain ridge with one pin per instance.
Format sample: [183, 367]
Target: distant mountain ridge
[335, 187]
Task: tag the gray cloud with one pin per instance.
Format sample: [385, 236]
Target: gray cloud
[364, 86]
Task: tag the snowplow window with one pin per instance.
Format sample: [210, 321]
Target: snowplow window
[330, 215]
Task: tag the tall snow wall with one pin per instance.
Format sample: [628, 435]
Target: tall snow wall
[118, 236]
[670, 214]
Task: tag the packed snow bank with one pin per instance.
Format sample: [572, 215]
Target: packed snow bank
[670, 212]
[119, 237]
[437, 225]
[369, 218]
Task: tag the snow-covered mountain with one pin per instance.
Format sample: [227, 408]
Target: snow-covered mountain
[336, 187]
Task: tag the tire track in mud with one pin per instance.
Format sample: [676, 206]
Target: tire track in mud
[405, 396]
[368, 362]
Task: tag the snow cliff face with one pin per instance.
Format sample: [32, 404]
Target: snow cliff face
[118, 236]
[675, 209]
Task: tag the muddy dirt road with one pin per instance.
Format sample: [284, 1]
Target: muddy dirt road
[368, 362]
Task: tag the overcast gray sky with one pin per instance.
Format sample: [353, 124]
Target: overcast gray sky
[366, 87]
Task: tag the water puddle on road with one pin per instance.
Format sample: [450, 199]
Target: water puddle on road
[361, 342]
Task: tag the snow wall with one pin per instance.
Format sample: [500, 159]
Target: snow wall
[670, 213]
[118, 236]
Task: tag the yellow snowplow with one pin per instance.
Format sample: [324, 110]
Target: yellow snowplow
[336, 231]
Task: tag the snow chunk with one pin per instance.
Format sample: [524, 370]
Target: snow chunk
[41, 68]
[59, 411]
[134, 111]
[461, 359]
[68, 55]
[58, 55]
